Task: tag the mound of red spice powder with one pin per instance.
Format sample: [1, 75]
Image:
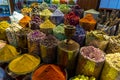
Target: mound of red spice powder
[49, 72]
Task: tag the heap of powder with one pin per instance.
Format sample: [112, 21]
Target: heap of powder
[8, 53]
[49, 72]
[24, 64]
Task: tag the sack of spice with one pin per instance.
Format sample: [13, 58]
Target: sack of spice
[78, 10]
[30, 64]
[82, 77]
[57, 17]
[22, 39]
[35, 22]
[45, 14]
[97, 39]
[111, 69]
[52, 7]
[64, 8]
[79, 35]
[11, 33]
[3, 26]
[48, 48]
[90, 61]
[55, 1]
[26, 11]
[49, 72]
[71, 19]
[63, 1]
[114, 44]
[7, 52]
[59, 32]
[34, 38]
[24, 22]
[43, 6]
[47, 26]
[88, 22]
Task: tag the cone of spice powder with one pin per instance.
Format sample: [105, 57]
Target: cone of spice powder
[30, 64]
[49, 72]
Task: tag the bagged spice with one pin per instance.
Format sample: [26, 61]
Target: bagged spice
[47, 26]
[26, 11]
[7, 52]
[45, 14]
[34, 38]
[52, 7]
[64, 8]
[25, 21]
[55, 1]
[11, 34]
[57, 17]
[48, 48]
[3, 26]
[63, 1]
[35, 22]
[97, 39]
[79, 35]
[90, 61]
[88, 22]
[59, 32]
[43, 6]
[82, 77]
[30, 64]
[71, 2]
[78, 10]
[114, 44]
[71, 19]
[22, 39]
[111, 67]
[49, 72]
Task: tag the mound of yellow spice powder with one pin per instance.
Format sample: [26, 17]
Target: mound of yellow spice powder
[23, 64]
[8, 53]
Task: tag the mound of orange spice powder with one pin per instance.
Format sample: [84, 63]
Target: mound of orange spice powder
[49, 72]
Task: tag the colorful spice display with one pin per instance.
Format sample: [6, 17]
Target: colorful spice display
[52, 7]
[57, 17]
[64, 8]
[30, 63]
[114, 44]
[25, 21]
[59, 32]
[111, 68]
[3, 26]
[97, 39]
[90, 61]
[22, 38]
[78, 10]
[63, 1]
[49, 72]
[35, 22]
[7, 53]
[11, 34]
[55, 1]
[79, 35]
[47, 24]
[26, 10]
[71, 19]
[88, 22]
[82, 77]
[45, 14]
[48, 48]
[34, 38]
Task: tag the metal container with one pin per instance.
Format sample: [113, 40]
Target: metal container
[67, 56]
